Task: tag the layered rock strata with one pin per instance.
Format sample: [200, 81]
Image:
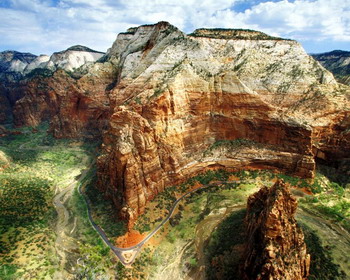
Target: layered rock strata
[275, 247]
[178, 98]
[75, 107]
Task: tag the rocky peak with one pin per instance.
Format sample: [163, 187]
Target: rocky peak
[80, 48]
[275, 247]
[72, 58]
[11, 55]
[141, 39]
[20, 64]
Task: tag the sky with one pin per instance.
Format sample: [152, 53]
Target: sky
[46, 26]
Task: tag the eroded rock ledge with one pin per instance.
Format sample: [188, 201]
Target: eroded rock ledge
[275, 247]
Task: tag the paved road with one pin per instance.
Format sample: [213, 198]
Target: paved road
[127, 255]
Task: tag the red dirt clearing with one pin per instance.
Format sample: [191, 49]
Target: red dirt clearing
[129, 239]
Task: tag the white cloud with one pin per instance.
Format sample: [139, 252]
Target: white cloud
[51, 25]
[321, 19]
[18, 26]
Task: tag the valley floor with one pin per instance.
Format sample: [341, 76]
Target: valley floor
[46, 234]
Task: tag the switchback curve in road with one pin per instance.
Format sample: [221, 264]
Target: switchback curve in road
[128, 255]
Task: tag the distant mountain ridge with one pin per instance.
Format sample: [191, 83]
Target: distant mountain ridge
[238, 34]
[338, 62]
[13, 61]
[80, 48]
[24, 63]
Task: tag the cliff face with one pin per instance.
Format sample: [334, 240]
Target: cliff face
[275, 247]
[75, 107]
[12, 64]
[11, 90]
[178, 98]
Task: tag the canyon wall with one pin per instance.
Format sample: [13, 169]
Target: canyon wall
[215, 98]
[74, 107]
[66, 88]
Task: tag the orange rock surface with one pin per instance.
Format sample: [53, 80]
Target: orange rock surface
[129, 239]
[75, 108]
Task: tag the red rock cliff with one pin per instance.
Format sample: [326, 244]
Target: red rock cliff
[75, 107]
[178, 96]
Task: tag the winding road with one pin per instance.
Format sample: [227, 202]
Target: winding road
[127, 255]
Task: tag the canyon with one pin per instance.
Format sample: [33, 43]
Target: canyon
[190, 93]
[162, 113]
[168, 105]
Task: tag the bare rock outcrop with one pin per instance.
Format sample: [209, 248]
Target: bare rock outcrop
[275, 247]
[37, 88]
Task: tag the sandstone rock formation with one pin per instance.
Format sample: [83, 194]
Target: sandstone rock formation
[172, 104]
[76, 108]
[13, 61]
[275, 247]
[177, 96]
[68, 60]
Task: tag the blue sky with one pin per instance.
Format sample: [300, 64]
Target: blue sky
[46, 26]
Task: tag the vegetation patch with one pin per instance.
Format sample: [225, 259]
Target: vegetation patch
[39, 72]
[23, 199]
[225, 248]
[103, 210]
[322, 266]
[37, 164]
